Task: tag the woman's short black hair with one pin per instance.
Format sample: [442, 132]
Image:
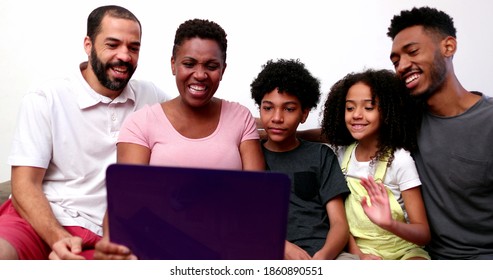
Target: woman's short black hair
[203, 29]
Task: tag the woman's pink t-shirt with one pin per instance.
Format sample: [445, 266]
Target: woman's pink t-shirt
[151, 128]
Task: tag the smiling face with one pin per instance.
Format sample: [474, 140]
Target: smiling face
[362, 114]
[418, 60]
[281, 113]
[198, 67]
[113, 55]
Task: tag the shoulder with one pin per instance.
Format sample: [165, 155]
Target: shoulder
[402, 171]
[488, 100]
[402, 156]
[147, 91]
[71, 80]
[62, 89]
[322, 148]
[141, 119]
[401, 153]
[151, 109]
[312, 145]
[485, 102]
[142, 84]
[233, 105]
[232, 109]
[144, 111]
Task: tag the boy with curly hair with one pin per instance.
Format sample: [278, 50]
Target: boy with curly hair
[285, 92]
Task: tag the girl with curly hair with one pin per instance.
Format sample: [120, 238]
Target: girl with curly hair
[371, 122]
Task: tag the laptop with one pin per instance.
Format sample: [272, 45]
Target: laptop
[176, 213]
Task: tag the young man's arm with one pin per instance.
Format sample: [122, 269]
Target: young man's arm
[252, 157]
[338, 234]
[31, 203]
[294, 252]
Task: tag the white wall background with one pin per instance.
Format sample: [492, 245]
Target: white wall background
[42, 39]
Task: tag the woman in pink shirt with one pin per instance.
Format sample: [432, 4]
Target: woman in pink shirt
[194, 129]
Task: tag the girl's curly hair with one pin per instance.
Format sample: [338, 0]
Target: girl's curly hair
[398, 112]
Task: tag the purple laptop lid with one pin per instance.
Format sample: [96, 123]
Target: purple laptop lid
[174, 213]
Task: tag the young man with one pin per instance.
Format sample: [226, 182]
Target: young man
[317, 227]
[64, 141]
[455, 159]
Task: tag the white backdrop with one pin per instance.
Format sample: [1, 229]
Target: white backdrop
[43, 39]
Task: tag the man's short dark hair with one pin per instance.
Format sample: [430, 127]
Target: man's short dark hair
[96, 16]
[430, 18]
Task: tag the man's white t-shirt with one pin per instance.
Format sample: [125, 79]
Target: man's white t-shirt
[70, 130]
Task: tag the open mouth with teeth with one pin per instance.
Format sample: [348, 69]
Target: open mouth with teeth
[197, 90]
[358, 126]
[120, 72]
[412, 80]
[120, 69]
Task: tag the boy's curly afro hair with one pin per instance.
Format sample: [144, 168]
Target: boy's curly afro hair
[288, 76]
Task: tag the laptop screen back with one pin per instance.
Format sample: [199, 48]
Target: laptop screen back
[194, 214]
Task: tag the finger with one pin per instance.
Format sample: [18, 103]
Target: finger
[364, 202]
[373, 257]
[75, 245]
[106, 250]
[66, 255]
[53, 256]
[373, 188]
[369, 185]
[104, 256]
[63, 249]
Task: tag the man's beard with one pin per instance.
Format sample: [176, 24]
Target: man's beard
[438, 73]
[100, 68]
